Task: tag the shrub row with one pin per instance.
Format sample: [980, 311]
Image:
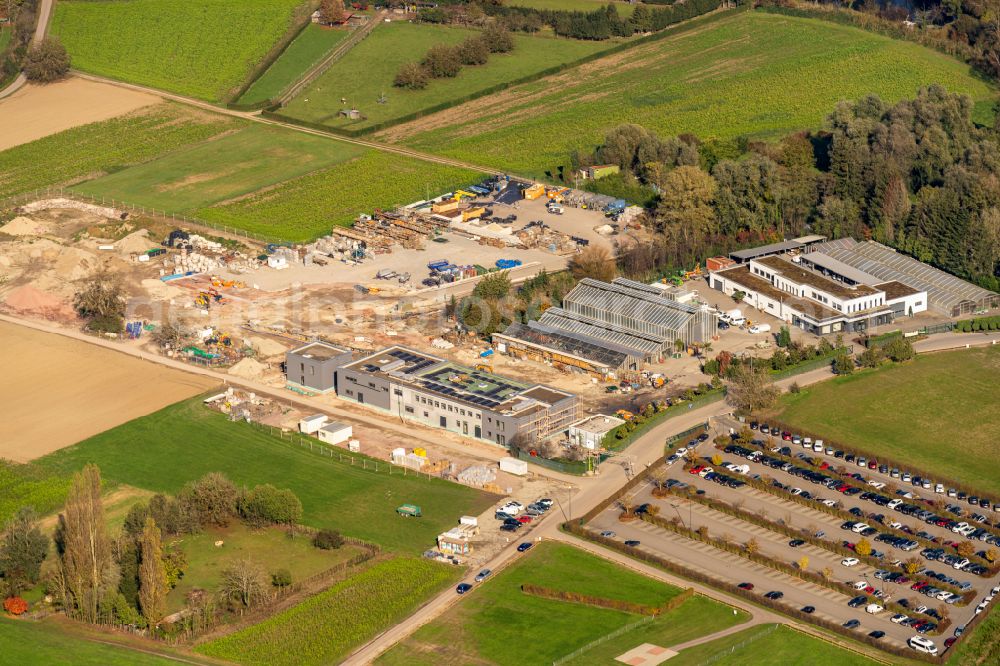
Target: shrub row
[730, 588]
[623, 435]
[978, 324]
[950, 483]
[603, 602]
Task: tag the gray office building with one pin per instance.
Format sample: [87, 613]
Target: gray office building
[313, 366]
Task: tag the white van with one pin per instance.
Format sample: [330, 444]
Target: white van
[921, 644]
[759, 328]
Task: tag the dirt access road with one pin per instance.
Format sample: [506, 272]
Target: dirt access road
[57, 391]
[44, 14]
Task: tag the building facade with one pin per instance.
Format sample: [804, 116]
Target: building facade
[314, 365]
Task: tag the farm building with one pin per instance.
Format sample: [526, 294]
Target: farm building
[590, 432]
[438, 393]
[604, 328]
[310, 425]
[314, 365]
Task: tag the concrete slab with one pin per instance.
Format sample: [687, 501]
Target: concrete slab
[646, 654]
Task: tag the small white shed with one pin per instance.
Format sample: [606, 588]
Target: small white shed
[336, 433]
[310, 425]
[514, 466]
[277, 261]
[590, 432]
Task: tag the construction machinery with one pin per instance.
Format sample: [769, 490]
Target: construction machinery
[625, 414]
[484, 367]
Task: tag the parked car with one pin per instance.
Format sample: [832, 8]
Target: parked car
[463, 588]
[745, 586]
[483, 575]
[524, 546]
[852, 624]
[774, 595]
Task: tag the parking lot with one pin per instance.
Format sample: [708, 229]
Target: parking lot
[908, 537]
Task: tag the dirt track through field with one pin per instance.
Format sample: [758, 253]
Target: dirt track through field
[35, 112]
[56, 391]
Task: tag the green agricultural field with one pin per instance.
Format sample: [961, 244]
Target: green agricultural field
[624, 8]
[204, 49]
[28, 485]
[499, 624]
[749, 73]
[769, 646]
[110, 145]
[163, 451]
[307, 207]
[368, 69]
[938, 412]
[186, 180]
[28, 642]
[308, 48]
[271, 548]
[324, 628]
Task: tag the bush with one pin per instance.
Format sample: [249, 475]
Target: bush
[46, 61]
[442, 61]
[328, 540]
[498, 39]
[843, 364]
[212, 499]
[15, 605]
[267, 505]
[281, 578]
[412, 75]
[474, 51]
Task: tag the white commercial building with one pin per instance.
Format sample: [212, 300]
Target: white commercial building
[590, 432]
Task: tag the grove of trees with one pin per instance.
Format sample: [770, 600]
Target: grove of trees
[918, 175]
[444, 61]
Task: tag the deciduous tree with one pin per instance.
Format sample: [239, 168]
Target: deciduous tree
[22, 551]
[152, 578]
[87, 564]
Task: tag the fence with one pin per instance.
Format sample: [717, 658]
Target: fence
[711, 397]
[681, 436]
[739, 646]
[621, 631]
[177, 218]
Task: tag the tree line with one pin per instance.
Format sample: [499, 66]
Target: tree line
[919, 176]
[600, 24]
[43, 62]
[446, 61]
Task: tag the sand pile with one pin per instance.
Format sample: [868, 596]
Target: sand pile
[25, 226]
[248, 368]
[30, 300]
[137, 243]
[75, 264]
[160, 290]
[266, 346]
[61, 203]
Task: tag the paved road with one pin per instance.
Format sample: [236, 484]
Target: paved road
[945, 341]
[41, 27]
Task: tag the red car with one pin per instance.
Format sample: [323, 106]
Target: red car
[824, 465]
[842, 487]
[872, 464]
[787, 436]
[696, 469]
[745, 586]
[869, 589]
[948, 642]
[524, 520]
[916, 587]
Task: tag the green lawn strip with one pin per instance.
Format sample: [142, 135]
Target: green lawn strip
[500, 624]
[163, 451]
[202, 175]
[982, 646]
[308, 48]
[307, 207]
[271, 548]
[751, 73]
[324, 628]
[766, 646]
[106, 146]
[203, 49]
[365, 73]
[5, 32]
[938, 412]
[27, 642]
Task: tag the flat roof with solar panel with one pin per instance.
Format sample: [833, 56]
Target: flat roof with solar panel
[452, 380]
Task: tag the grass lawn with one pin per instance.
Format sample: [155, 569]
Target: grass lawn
[204, 49]
[770, 647]
[499, 624]
[27, 642]
[271, 548]
[234, 165]
[325, 628]
[982, 647]
[307, 207]
[109, 145]
[624, 8]
[938, 411]
[163, 451]
[5, 32]
[367, 71]
[312, 44]
[749, 73]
